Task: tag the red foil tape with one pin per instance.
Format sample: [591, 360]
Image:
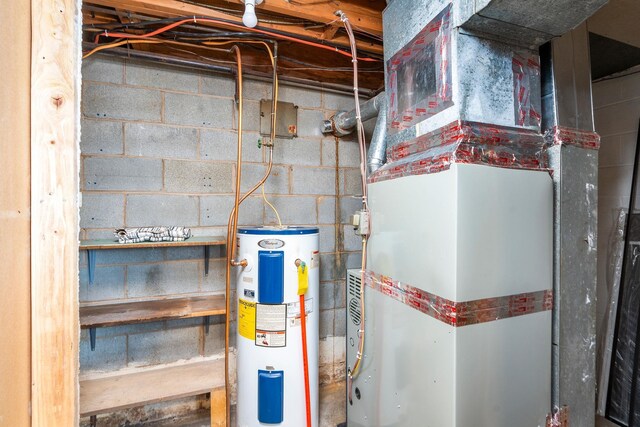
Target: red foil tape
[559, 135]
[464, 313]
[464, 142]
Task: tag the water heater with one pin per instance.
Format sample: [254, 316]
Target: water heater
[271, 388]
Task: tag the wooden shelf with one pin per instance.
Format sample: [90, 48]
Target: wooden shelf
[143, 387]
[89, 245]
[151, 311]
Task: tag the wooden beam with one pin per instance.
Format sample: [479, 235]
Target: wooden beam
[176, 8]
[15, 313]
[362, 17]
[55, 86]
[218, 408]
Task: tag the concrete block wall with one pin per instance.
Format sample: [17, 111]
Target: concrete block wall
[158, 148]
[616, 113]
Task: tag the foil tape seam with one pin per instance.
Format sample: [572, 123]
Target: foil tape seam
[463, 313]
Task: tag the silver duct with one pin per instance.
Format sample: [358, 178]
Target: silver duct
[378, 146]
[344, 122]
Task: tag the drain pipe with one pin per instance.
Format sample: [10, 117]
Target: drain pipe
[344, 122]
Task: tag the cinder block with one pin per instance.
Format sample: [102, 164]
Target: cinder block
[340, 294]
[297, 151]
[219, 85]
[348, 206]
[183, 176]
[352, 182]
[297, 210]
[215, 280]
[340, 322]
[339, 350]
[327, 210]
[108, 284]
[304, 98]
[103, 68]
[110, 353]
[327, 238]
[256, 90]
[328, 152]
[349, 154]
[222, 145]
[250, 116]
[326, 323]
[187, 253]
[150, 140]
[335, 102]
[164, 346]
[307, 180]
[214, 340]
[351, 241]
[349, 260]
[325, 351]
[277, 183]
[176, 277]
[120, 102]
[327, 290]
[329, 268]
[145, 73]
[215, 210]
[309, 122]
[129, 256]
[150, 210]
[102, 210]
[101, 137]
[200, 111]
[119, 173]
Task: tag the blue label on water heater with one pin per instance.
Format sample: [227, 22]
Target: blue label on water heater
[270, 397]
[270, 277]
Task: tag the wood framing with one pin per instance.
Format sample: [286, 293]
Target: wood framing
[15, 368]
[55, 85]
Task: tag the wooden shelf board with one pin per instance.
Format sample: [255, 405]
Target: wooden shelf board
[151, 311]
[144, 387]
[113, 244]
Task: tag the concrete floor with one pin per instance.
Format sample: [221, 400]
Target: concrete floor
[601, 422]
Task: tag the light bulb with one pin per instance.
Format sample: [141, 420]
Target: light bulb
[249, 18]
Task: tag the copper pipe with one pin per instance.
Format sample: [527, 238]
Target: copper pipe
[231, 239]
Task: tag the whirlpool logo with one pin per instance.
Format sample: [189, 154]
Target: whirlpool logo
[271, 243]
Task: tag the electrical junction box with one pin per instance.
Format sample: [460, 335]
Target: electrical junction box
[286, 119]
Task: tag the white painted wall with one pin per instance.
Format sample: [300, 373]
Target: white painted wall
[617, 111]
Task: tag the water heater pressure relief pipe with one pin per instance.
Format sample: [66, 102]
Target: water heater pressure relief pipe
[303, 285]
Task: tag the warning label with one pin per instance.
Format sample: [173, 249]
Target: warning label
[271, 325]
[293, 311]
[315, 259]
[247, 319]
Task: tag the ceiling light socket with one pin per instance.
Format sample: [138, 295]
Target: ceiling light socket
[249, 19]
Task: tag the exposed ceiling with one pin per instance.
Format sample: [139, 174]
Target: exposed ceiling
[312, 42]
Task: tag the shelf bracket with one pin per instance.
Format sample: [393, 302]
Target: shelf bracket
[207, 321]
[206, 259]
[91, 255]
[93, 420]
[92, 338]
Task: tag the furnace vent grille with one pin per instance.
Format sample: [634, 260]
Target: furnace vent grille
[353, 289]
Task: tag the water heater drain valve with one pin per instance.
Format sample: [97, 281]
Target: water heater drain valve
[361, 222]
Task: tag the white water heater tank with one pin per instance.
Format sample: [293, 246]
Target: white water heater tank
[271, 389]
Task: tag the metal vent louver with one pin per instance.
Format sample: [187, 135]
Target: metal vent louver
[353, 290]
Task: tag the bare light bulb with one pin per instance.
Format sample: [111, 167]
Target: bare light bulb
[249, 18]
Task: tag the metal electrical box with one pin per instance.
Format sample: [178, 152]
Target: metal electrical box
[286, 119]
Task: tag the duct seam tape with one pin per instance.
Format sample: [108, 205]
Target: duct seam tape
[559, 135]
[419, 75]
[526, 70]
[464, 142]
[461, 313]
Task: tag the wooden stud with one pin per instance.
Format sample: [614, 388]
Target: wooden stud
[218, 407]
[15, 330]
[55, 71]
